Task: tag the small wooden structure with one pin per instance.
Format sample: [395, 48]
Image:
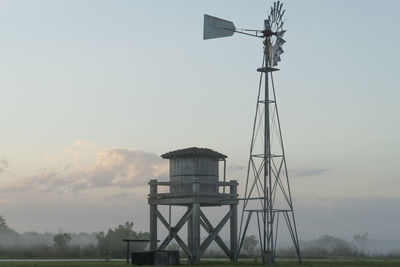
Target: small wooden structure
[194, 183]
[156, 257]
[133, 241]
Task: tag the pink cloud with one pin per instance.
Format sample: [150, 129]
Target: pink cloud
[113, 168]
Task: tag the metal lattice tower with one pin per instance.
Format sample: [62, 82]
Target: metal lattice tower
[267, 196]
[267, 191]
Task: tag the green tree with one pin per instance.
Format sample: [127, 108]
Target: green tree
[250, 244]
[60, 241]
[328, 245]
[361, 241]
[111, 244]
[3, 223]
[7, 235]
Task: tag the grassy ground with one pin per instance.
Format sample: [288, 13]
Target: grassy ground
[281, 263]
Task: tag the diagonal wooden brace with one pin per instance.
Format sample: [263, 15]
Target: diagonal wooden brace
[214, 233]
[175, 229]
[174, 232]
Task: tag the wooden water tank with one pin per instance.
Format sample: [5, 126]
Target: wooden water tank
[186, 165]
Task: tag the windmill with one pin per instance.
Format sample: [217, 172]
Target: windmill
[267, 198]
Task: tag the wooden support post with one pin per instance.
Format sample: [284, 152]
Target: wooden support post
[153, 216]
[233, 222]
[196, 225]
[190, 233]
[127, 252]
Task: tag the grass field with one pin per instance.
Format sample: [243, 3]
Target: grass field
[311, 263]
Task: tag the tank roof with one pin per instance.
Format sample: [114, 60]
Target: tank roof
[193, 152]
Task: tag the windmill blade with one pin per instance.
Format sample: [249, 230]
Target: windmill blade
[275, 55]
[216, 28]
[280, 33]
[280, 41]
[280, 7]
[272, 13]
[280, 18]
[276, 50]
[276, 60]
[279, 51]
[280, 26]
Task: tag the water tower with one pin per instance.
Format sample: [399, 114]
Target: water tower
[194, 183]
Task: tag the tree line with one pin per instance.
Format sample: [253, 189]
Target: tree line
[107, 244]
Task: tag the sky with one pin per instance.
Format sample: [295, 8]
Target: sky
[92, 92]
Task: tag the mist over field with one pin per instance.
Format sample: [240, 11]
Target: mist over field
[109, 244]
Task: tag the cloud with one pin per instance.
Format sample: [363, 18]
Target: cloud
[84, 144]
[113, 168]
[76, 156]
[236, 168]
[50, 159]
[121, 167]
[117, 197]
[13, 189]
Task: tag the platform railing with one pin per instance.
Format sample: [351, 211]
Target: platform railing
[154, 192]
